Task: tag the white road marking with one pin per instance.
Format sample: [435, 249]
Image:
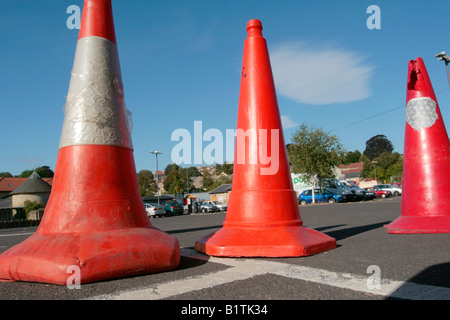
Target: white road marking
[241, 269]
[16, 234]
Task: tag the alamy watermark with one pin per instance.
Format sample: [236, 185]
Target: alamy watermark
[74, 280]
[374, 21]
[374, 281]
[263, 147]
[74, 20]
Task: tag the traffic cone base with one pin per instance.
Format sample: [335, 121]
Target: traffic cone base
[46, 258]
[269, 241]
[419, 224]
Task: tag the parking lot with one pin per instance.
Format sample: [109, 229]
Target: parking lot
[368, 264]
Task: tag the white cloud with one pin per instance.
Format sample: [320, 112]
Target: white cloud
[312, 74]
[287, 122]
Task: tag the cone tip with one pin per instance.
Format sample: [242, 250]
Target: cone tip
[97, 20]
[416, 75]
[254, 27]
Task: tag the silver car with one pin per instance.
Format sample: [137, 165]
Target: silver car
[218, 204]
[207, 207]
[154, 210]
[388, 187]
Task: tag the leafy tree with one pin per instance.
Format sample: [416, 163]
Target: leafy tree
[193, 172]
[208, 181]
[43, 172]
[377, 145]
[387, 165]
[147, 183]
[6, 175]
[32, 206]
[314, 152]
[26, 173]
[351, 157]
[225, 167]
[175, 180]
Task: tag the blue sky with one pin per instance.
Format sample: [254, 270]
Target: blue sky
[181, 62]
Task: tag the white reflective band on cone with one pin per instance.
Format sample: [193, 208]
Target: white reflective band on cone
[95, 111]
[421, 113]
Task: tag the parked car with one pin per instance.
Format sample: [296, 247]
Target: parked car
[396, 184]
[364, 194]
[218, 204]
[319, 196]
[387, 187]
[154, 210]
[208, 207]
[379, 193]
[337, 187]
[173, 207]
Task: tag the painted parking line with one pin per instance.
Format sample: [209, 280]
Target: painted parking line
[241, 269]
[16, 234]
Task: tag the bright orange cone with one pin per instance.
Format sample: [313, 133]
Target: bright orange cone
[426, 163]
[263, 218]
[95, 221]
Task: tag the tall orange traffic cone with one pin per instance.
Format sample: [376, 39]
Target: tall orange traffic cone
[263, 218]
[95, 226]
[426, 165]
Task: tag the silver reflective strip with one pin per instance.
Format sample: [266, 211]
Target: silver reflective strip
[421, 113]
[95, 111]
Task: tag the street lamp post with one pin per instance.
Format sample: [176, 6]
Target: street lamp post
[443, 56]
[375, 169]
[157, 175]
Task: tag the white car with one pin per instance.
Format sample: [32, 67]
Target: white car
[218, 204]
[154, 210]
[388, 187]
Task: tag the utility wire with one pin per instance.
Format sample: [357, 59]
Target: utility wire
[379, 114]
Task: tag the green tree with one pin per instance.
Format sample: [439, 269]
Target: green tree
[175, 180]
[389, 166]
[377, 145]
[314, 152]
[225, 167]
[147, 183]
[208, 181]
[193, 172]
[43, 172]
[25, 173]
[32, 206]
[351, 157]
[6, 175]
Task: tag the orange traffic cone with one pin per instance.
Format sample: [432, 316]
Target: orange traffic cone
[263, 218]
[95, 226]
[426, 164]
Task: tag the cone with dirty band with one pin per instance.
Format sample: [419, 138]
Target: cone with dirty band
[95, 219]
[263, 218]
[425, 204]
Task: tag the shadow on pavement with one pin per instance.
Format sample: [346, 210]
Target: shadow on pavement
[349, 232]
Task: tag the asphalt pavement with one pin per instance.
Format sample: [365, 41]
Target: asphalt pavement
[368, 264]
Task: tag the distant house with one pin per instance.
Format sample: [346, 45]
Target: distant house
[349, 172]
[221, 193]
[33, 188]
[160, 176]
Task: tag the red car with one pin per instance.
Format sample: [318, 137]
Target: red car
[379, 193]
